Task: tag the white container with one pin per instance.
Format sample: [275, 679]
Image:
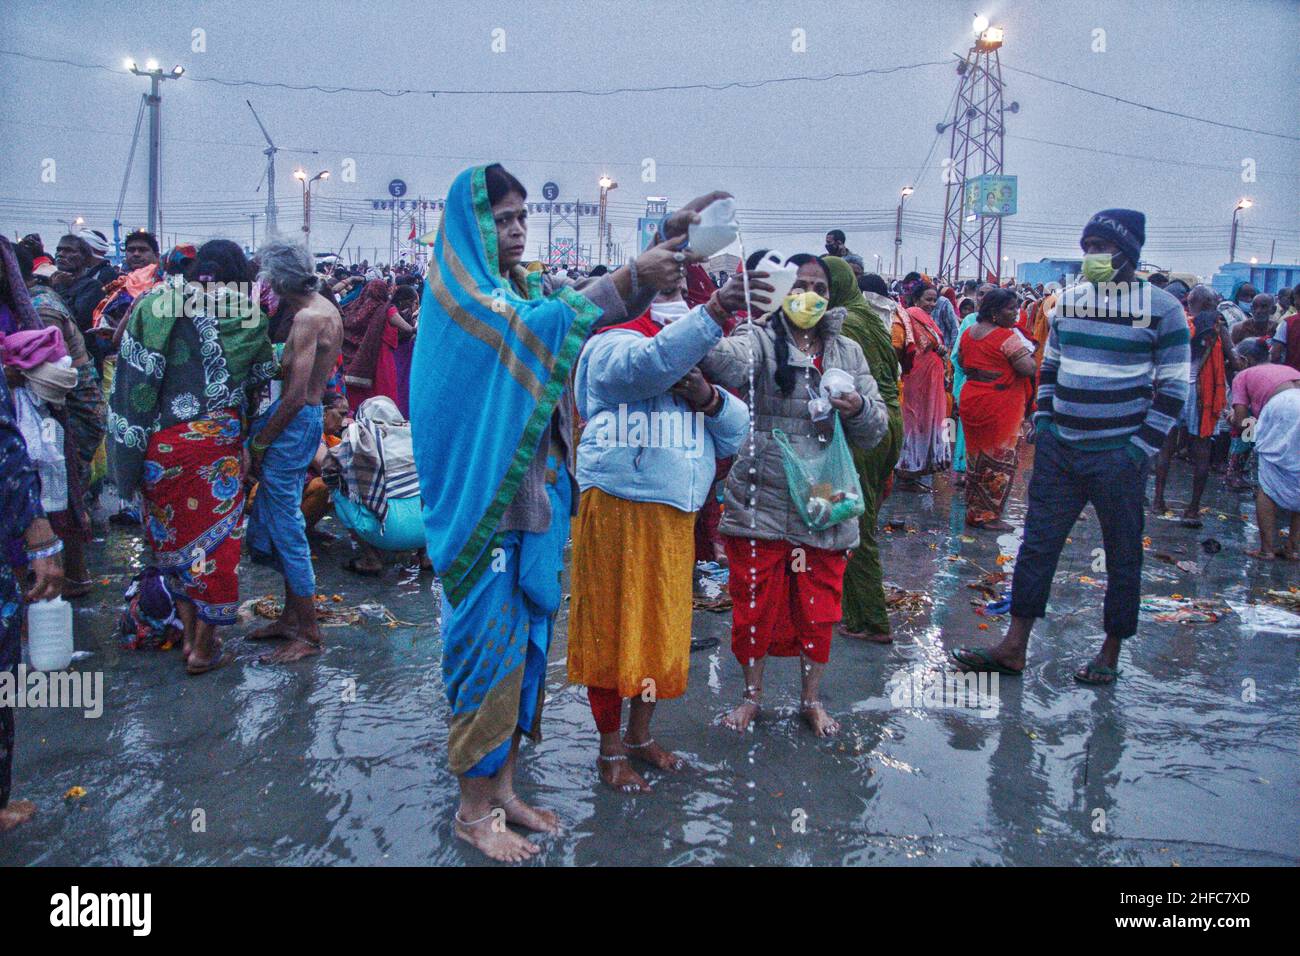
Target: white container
[716, 229]
[49, 634]
[781, 278]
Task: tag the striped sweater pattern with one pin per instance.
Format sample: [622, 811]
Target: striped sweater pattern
[1116, 366]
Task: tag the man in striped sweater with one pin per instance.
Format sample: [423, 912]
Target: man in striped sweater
[1113, 382]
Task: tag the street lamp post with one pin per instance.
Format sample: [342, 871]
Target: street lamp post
[606, 184]
[300, 174]
[154, 99]
[898, 226]
[1242, 203]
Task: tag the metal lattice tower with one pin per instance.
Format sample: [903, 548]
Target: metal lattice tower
[971, 246]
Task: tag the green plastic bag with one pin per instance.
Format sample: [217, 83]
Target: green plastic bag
[824, 485]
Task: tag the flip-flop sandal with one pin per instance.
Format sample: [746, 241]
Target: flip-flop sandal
[364, 572]
[703, 643]
[221, 660]
[983, 662]
[1192, 523]
[1106, 674]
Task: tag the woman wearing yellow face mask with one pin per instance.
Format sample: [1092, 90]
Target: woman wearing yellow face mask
[786, 579]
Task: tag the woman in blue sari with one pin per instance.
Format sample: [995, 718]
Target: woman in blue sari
[493, 425]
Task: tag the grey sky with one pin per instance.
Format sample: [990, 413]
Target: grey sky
[809, 148]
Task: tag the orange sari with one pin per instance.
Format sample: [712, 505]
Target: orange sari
[991, 413]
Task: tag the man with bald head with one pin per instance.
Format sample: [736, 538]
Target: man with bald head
[1212, 361]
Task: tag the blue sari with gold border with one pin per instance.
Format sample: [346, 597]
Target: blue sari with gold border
[489, 366]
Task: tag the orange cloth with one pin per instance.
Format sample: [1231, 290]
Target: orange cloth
[630, 615]
[991, 412]
[1211, 384]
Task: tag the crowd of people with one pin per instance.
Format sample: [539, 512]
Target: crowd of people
[481, 411]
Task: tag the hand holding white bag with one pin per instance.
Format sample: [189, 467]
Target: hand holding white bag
[44, 438]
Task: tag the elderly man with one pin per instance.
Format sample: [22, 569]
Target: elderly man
[283, 443]
[82, 274]
[1259, 324]
[1212, 361]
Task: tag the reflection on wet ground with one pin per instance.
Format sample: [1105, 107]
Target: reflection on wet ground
[256, 764]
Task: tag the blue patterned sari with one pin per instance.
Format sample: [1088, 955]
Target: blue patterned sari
[490, 364]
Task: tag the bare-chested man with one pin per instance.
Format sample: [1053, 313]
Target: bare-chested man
[283, 441]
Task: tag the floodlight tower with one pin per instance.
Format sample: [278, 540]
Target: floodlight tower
[972, 244]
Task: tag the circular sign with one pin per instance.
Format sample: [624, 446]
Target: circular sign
[550, 190]
[397, 188]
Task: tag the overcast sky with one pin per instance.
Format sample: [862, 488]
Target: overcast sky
[814, 150]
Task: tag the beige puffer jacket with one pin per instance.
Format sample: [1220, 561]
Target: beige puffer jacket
[772, 516]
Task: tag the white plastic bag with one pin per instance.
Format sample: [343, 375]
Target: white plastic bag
[44, 438]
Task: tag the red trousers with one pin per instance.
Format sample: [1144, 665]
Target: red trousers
[606, 707]
[795, 595]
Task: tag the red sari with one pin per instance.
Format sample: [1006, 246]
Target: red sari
[925, 399]
[991, 413]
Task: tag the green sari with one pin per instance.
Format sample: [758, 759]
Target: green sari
[183, 356]
[864, 591]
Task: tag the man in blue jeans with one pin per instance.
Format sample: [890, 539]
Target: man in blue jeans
[1113, 382]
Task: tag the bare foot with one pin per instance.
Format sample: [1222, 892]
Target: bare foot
[295, 650]
[822, 723]
[650, 752]
[1159, 506]
[1260, 554]
[998, 525]
[282, 627]
[615, 772]
[875, 637]
[740, 718]
[529, 817]
[16, 813]
[491, 837]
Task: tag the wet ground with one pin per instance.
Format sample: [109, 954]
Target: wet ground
[281, 765]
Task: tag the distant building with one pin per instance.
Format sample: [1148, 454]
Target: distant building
[1265, 277]
[1047, 270]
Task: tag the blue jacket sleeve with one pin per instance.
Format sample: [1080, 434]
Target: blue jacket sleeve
[624, 367]
[729, 427]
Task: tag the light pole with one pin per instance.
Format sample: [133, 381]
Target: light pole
[898, 227]
[74, 225]
[300, 174]
[1242, 203]
[154, 99]
[253, 217]
[606, 184]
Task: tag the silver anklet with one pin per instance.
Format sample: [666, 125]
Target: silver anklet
[611, 758]
[473, 823]
[637, 746]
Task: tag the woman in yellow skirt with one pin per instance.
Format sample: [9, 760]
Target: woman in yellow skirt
[646, 463]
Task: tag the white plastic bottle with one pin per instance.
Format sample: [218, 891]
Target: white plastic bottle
[49, 634]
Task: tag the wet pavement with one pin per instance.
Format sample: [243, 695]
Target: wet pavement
[340, 759]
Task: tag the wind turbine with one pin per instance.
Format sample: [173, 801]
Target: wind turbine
[269, 153]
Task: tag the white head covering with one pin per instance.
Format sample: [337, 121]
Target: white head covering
[97, 241]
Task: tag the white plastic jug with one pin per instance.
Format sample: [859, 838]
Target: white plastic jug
[49, 634]
[781, 278]
[716, 229]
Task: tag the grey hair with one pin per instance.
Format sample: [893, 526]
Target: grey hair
[286, 267]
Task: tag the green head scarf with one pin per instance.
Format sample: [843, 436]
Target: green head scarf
[863, 326]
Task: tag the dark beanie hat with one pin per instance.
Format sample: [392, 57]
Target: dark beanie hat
[1127, 228]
